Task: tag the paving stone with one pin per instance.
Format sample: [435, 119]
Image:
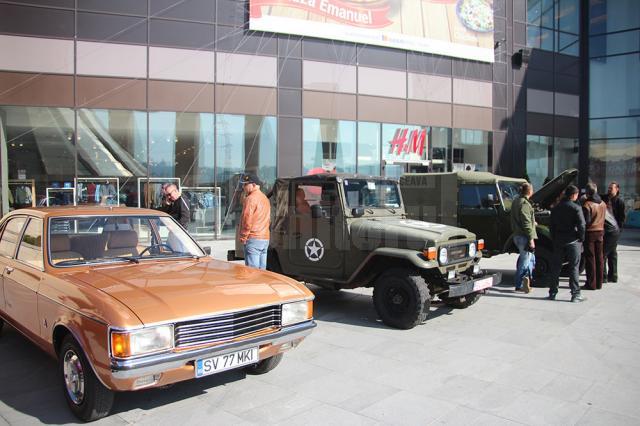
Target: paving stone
[407, 408]
[327, 415]
[596, 417]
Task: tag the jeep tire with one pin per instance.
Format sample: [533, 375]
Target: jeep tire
[461, 302]
[264, 366]
[401, 298]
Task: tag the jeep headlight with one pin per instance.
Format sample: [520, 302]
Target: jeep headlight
[443, 256]
[293, 313]
[472, 250]
[126, 344]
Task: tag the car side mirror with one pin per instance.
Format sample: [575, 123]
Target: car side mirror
[316, 211]
[207, 250]
[357, 211]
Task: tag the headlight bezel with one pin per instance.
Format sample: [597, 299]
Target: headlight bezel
[136, 343]
[292, 313]
[443, 255]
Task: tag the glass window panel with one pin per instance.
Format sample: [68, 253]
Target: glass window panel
[568, 44]
[614, 15]
[193, 10]
[181, 34]
[617, 160]
[538, 159]
[37, 21]
[614, 86]
[565, 155]
[40, 150]
[626, 127]
[440, 144]
[10, 236]
[546, 14]
[471, 150]
[328, 146]
[113, 143]
[568, 14]
[30, 250]
[243, 143]
[614, 44]
[478, 196]
[129, 7]
[369, 148]
[103, 27]
[534, 11]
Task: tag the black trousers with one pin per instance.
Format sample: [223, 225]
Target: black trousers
[594, 256]
[571, 254]
[611, 255]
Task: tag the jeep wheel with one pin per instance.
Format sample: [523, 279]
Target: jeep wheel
[542, 271]
[87, 398]
[401, 298]
[461, 302]
[264, 366]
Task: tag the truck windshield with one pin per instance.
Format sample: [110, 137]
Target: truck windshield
[372, 193]
[509, 191]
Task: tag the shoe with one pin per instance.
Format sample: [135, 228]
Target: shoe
[613, 280]
[584, 287]
[605, 280]
[526, 285]
[551, 297]
[576, 298]
[520, 290]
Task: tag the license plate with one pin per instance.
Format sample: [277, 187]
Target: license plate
[482, 284]
[216, 364]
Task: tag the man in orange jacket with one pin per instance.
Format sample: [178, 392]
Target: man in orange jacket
[254, 222]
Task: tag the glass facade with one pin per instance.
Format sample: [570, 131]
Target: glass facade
[538, 159]
[472, 150]
[328, 146]
[554, 25]
[614, 104]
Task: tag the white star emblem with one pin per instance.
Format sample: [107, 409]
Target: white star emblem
[314, 249]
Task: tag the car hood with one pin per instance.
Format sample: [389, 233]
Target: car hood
[170, 290]
[405, 233]
[547, 195]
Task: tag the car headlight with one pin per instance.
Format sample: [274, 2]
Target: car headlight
[293, 313]
[126, 344]
[472, 250]
[443, 256]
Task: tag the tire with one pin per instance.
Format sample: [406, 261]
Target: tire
[401, 298]
[544, 262]
[461, 302]
[265, 365]
[92, 402]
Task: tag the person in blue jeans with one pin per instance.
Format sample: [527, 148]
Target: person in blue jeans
[523, 226]
[254, 222]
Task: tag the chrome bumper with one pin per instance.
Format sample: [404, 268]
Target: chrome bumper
[127, 369]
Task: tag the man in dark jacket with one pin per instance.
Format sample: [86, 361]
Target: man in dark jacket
[178, 206]
[594, 210]
[615, 205]
[567, 233]
[611, 236]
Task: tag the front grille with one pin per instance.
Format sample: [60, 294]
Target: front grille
[458, 252]
[226, 327]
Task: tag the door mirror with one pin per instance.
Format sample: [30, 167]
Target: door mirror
[357, 211]
[316, 211]
[207, 250]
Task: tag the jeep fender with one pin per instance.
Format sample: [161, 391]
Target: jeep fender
[412, 257]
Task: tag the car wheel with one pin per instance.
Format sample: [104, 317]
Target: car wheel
[265, 365]
[542, 271]
[88, 399]
[401, 298]
[461, 302]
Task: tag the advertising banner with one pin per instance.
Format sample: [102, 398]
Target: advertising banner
[459, 28]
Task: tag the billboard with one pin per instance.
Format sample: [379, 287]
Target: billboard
[460, 28]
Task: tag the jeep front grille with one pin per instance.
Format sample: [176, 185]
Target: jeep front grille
[224, 327]
[458, 253]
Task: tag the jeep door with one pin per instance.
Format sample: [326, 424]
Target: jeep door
[316, 240]
[478, 211]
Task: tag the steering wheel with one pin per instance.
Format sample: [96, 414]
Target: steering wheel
[152, 246]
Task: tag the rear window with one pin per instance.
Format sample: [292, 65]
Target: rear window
[10, 236]
[478, 196]
[30, 251]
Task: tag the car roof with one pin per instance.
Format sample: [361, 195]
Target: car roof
[334, 176]
[472, 177]
[44, 212]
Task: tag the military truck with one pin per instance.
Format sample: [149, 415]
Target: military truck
[481, 203]
[348, 231]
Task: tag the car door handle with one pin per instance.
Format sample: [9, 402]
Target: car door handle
[8, 269]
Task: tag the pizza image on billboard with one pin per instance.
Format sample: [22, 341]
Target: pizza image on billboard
[459, 28]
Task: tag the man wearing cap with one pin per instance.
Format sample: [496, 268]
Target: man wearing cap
[254, 222]
[567, 232]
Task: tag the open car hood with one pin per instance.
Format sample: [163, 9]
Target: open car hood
[546, 196]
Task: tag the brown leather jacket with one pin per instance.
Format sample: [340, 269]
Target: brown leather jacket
[256, 217]
[594, 213]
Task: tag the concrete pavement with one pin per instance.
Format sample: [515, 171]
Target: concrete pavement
[509, 359]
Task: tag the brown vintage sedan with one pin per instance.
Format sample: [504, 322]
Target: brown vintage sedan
[126, 299]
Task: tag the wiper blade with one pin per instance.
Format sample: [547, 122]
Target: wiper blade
[131, 259]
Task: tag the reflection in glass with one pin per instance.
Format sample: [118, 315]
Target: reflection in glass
[565, 155]
[440, 144]
[243, 143]
[401, 145]
[471, 150]
[39, 151]
[617, 160]
[369, 148]
[113, 144]
[328, 146]
[614, 86]
[538, 159]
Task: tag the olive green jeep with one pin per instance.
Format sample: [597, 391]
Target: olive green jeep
[348, 231]
[481, 203]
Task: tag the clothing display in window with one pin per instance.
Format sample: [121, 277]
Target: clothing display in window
[21, 194]
[97, 192]
[204, 208]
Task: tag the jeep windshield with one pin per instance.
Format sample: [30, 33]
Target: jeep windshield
[370, 193]
[508, 191]
[83, 240]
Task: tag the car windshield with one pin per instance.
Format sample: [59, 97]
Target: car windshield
[106, 239]
[509, 191]
[372, 193]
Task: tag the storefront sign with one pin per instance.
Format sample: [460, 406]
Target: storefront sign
[408, 142]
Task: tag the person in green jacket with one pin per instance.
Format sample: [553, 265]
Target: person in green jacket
[523, 226]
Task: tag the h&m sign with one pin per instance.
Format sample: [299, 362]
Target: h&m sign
[408, 142]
